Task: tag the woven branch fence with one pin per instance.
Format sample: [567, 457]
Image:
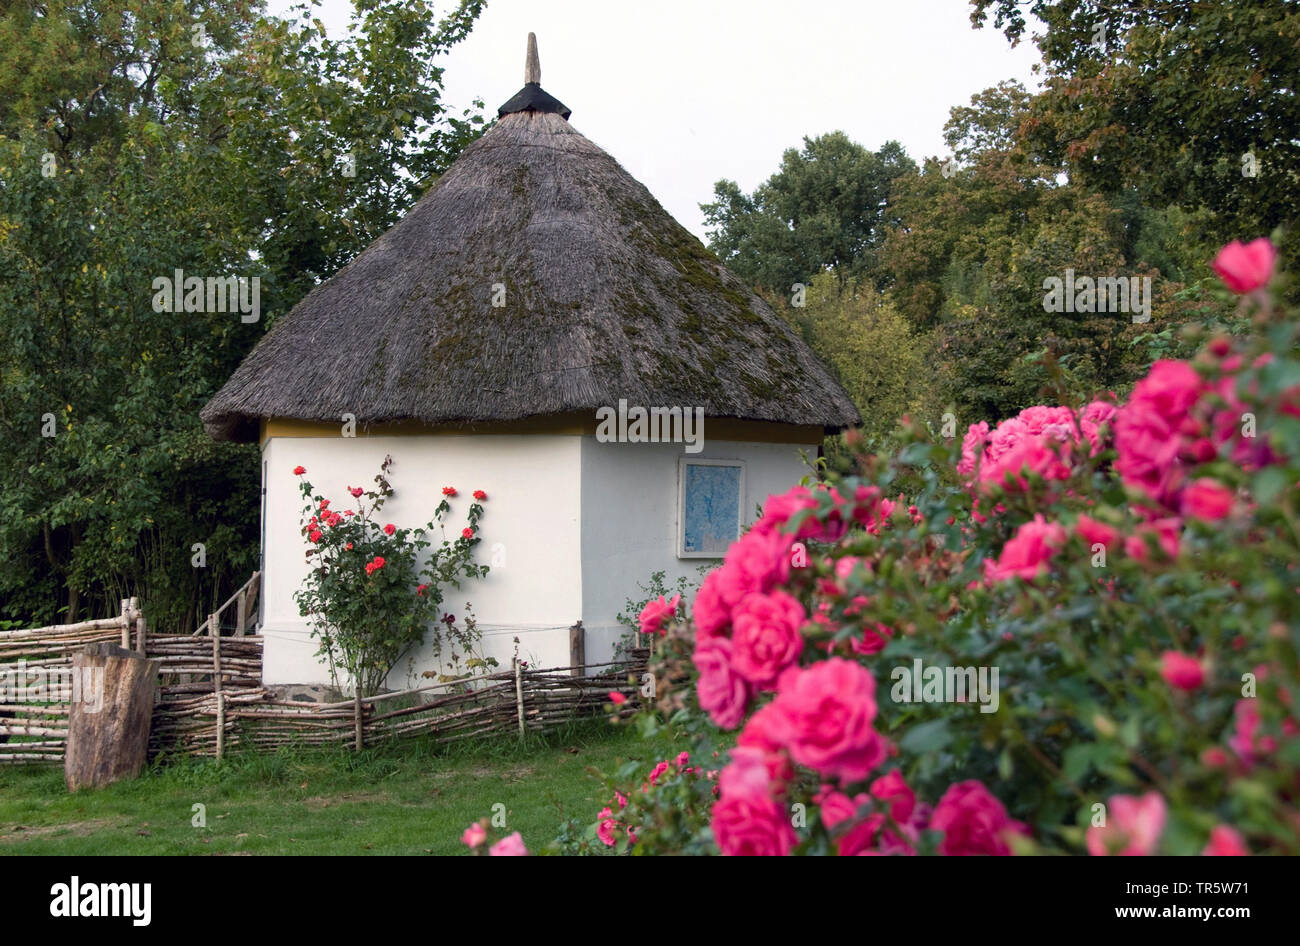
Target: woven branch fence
[211, 697]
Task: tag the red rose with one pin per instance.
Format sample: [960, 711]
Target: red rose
[618, 699]
[467, 533]
[419, 590]
[315, 535]
[356, 491]
[480, 495]
[299, 470]
[390, 529]
[449, 491]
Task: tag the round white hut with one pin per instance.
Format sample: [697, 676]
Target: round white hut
[540, 328]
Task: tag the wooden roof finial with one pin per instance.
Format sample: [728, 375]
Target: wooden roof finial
[533, 65]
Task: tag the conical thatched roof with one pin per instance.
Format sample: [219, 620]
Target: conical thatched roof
[606, 297]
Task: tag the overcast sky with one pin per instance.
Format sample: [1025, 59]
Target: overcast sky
[684, 92]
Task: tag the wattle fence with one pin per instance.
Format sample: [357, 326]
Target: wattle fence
[211, 697]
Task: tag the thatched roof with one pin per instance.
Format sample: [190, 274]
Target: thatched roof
[607, 297]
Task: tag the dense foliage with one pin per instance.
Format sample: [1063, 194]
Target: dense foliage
[1114, 169]
[137, 139]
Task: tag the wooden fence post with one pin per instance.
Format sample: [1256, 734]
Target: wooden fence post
[126, 623]
[519, 694]
[577, 649]
[141, 633]
[358, 719]
[214, 629]
[221, 724]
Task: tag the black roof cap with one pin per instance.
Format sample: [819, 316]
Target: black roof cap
[532, 98]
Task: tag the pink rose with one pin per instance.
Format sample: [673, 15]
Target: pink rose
[1207, 499]
[605, 830]
[765, 730]
[709, 612]
[655, 613]
[745, 826]
[870, 509]
[1246, 267]
[1168, 535]
[972, 449]
[1027, 552]
[1181, 671]
[781, 507]
[747, 775]
[853, 836]
[891, 788]
[758, 560]
[512, 845]
[1096, 533]
[1245, 742]
[1132, 828]
[474, 835]
[1096, 416]
[873, 640]
[827, 713]
[973, 822]
[722, 692]
[765, 637]
[1225, 842]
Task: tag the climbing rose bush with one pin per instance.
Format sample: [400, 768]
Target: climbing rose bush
[373, 592]
[1121, 576]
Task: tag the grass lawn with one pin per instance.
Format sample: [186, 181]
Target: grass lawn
[406, 798]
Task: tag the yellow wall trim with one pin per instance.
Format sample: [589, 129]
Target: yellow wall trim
[572, 424]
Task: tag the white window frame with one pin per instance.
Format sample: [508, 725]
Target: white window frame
[682, 463]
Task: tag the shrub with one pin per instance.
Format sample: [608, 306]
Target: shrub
[372, 593]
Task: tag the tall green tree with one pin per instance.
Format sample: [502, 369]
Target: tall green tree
[827, 207]
[1193, 103]
[137, 139]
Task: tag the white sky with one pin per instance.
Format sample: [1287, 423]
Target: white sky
[684, 92]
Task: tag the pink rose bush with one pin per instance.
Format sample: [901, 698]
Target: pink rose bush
[1130, 567]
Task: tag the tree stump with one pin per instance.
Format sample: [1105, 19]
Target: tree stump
[109, 720]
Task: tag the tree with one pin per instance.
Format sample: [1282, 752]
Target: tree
[825, 208]
[137, 139]
[870, 346]
[978, 241]
[1193, 103]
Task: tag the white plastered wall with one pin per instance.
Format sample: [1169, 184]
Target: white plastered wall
[530, 526]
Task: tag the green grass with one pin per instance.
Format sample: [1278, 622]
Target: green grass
[405, 798]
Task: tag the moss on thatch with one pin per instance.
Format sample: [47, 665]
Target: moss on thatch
[607, 297]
